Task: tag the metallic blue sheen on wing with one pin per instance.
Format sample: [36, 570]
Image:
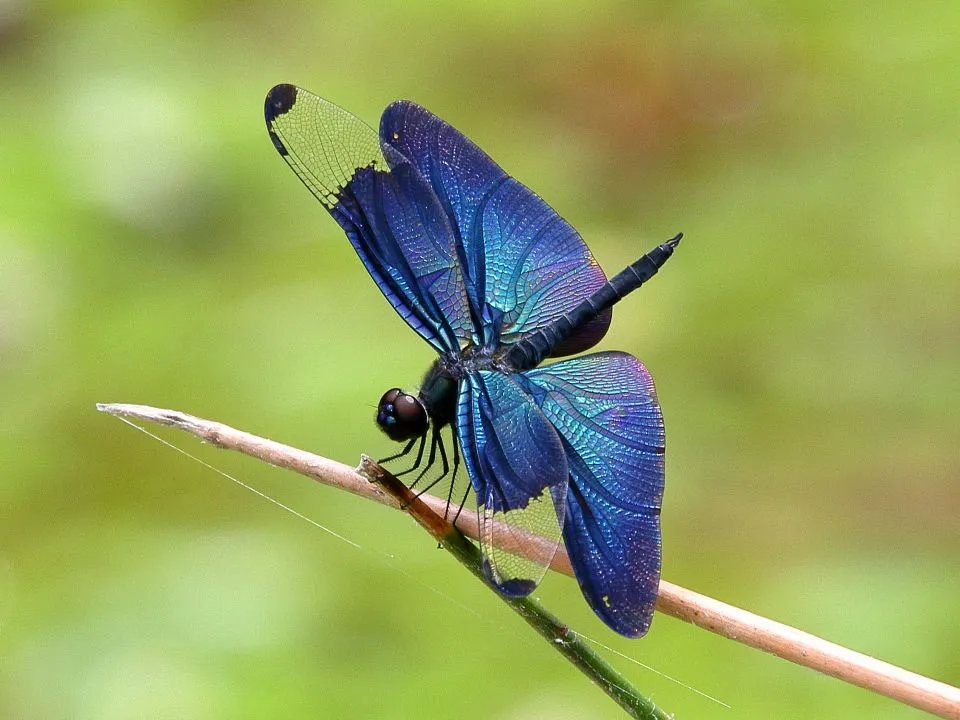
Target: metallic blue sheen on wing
[403, 238]
[511, 450]
[605, 409]
[518, 468]
[523, 263]
[390, 214]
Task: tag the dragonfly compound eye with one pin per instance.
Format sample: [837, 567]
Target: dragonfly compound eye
[401, 415]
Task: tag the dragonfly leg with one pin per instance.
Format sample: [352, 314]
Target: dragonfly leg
[453, 479]
[430, 461]
[405, 451]
[456, 464]
[437, 443]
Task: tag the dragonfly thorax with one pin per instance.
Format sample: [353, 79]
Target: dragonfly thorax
[472, 359]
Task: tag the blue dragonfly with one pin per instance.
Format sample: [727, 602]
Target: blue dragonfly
[496, 282]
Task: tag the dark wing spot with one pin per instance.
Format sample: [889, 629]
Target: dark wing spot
[515, 587]
[277, 143]
[279, 100]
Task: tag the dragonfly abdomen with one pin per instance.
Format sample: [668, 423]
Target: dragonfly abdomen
[531, 350]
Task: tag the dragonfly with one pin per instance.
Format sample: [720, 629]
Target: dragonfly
[496, 282]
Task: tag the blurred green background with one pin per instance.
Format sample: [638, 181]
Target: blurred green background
[154, 249]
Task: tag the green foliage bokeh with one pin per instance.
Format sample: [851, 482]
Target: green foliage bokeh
[154, 249]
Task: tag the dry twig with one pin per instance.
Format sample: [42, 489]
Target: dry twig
[776, 638]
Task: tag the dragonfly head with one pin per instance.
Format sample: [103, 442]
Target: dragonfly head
[401, 416]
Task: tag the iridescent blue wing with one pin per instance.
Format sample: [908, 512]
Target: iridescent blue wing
[517, 466]
[391, 215]
[525, 265]
[605, 409]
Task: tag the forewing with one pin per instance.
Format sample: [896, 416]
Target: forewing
[391, 215]
[605, 409]
[525, 265]
[518, 469]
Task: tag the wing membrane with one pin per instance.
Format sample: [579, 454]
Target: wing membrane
[518, 469]
[605, 409]
[389, 212]
[525, 265]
